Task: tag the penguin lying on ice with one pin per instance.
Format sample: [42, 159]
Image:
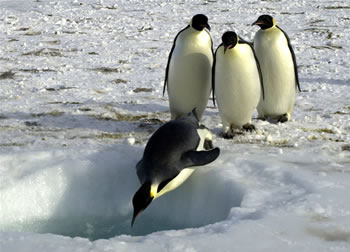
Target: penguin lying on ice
[279, 70]
[170, 157]
[188, 72]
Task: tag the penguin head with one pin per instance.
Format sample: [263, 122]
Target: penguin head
[229, 40]
[146, 194]
[265, 22]
[191, 118]
[199, 22]
[142, 198]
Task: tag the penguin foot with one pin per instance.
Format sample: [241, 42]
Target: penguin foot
[229, 134]
[248, 127]
[208, 145]
[283, 118]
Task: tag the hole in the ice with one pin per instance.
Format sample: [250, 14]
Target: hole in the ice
[204, 199]
[93, 199]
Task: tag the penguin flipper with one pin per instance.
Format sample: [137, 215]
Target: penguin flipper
[297, 84]
[213, 76]
[169, 58]
[198, 158]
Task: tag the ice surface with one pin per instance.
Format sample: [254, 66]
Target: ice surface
[81, 92]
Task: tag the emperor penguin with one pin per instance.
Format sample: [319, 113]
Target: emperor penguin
[170, 157]
[279, 69]
[188, 71]
[237, 83]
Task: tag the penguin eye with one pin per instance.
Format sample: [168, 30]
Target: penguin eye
[163, 184]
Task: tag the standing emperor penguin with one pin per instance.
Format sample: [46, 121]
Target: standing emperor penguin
[170, 157]
[188, 72]
[279, 70]
[237, 83]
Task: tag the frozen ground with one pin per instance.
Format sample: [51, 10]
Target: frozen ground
[81, 92]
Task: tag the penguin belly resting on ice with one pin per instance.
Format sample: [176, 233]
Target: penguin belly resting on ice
[279, 70]
[170, 157]
[188, 72]
[237, 83]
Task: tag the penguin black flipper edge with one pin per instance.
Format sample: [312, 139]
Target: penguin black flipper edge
[293, 57]
[213, 71]
[213, 75]
[169, 58]
[199, 158]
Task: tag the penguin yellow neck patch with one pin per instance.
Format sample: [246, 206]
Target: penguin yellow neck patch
[153, 191]
[274, 22]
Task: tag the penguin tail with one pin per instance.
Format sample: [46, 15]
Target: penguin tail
[199, 158]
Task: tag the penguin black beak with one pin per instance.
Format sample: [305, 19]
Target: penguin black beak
[207, 26]
[141, 200]
[258, 22]
[138, 211]
[225, 48]
[134, 216]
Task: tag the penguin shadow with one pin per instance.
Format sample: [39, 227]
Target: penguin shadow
[272, 120]
[220, 134]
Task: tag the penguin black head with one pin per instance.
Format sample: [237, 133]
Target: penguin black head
[265, 22]
[199, 22]
[191, 118]
[141, 200]
[229, 40]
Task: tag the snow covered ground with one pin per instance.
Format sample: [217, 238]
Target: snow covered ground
[81, 92]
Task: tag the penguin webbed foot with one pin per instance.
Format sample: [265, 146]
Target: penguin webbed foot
[208, 145]
[228, 135]
[202, 126]
[249, 127]
[231, 133]
[283, 118]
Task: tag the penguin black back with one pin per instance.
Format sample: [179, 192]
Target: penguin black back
[181, 137]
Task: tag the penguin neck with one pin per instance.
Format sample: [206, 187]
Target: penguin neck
[154, 189]
[193, 40]
[272, 28]
[230, 51]
[175, 182]
[195, 31]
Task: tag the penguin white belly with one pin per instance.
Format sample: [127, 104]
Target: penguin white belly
[278, 74]
[176, 182]
[204, 134]
[189, 78]
[237, 85]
